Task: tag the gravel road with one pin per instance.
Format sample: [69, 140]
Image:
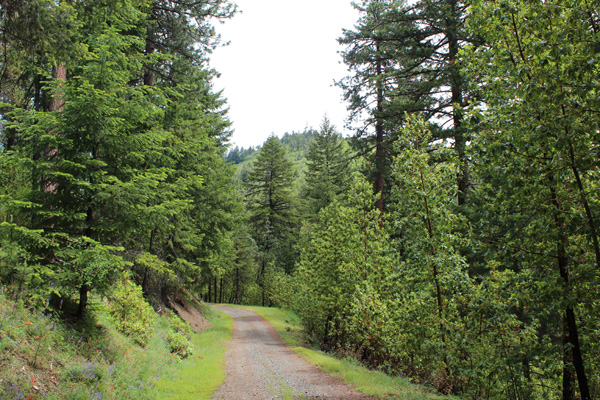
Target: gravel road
[260, 366]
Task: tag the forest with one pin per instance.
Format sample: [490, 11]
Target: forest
[451, 239]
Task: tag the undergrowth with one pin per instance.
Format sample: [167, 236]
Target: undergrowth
[46, 355]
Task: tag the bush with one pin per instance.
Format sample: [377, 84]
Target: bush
[180, 326]
[132, 314]
[179, 344]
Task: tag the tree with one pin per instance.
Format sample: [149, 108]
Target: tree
[370, 58]
[404, 58]
[269, 202]
[535, 152]
[328, 169]
[121, 174]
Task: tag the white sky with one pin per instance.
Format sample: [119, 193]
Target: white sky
[279, 69]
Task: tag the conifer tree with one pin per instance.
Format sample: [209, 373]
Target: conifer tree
[404, 58]
[269, 199]
[328, 174]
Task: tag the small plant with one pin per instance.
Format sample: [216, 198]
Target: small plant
[181, 326]
[84, 372]
[179, 344]
[132, 314]
[179, 338]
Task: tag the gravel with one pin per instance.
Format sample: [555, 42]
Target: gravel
[260, 366]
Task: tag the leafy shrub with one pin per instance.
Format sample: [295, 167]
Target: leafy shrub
[180, 326]
[179, 344]
[132, 314]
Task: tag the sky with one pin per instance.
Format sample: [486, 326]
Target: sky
[279, 69]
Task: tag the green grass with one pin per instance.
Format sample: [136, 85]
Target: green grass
[46, 356]
[372, 383]
[198, 376]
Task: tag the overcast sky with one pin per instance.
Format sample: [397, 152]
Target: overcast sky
[278, 71]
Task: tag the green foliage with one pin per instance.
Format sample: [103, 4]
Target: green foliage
[200, 376]
[328, 170]
[179, 338]
[345, 249]
[271, 211]
[132, 314]
[537, 203]
[179, 344]
[48, 357]
[180, 326]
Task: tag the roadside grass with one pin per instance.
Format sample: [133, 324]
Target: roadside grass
[198, 376]
[46, 355]
[373, 383]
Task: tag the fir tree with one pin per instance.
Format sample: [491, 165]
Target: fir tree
[328, 174]
[269, 199]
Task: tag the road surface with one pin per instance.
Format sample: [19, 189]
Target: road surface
[260, 367]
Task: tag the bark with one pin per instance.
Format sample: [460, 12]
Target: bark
[221, 291]
[150, 48]
[379, 136]
[237, 286]
[568, 378]
[59, 73]
[457, 100]
[572, 346]
[56, 104]
[147, 272]
[83, 301]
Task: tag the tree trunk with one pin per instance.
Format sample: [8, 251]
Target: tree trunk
[59, 74]
[216, 290]
[571, 342]
[237, 286]
[83, 302]
[379, 136]
[147, 272]
[568, 378]
[456, 87]
[210, 290]
[221, 291]
[150, 48]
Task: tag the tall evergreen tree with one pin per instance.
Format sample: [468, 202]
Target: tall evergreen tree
[328, 171]
[404, 58]
[269, 199]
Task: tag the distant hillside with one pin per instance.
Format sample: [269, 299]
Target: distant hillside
[295, 143]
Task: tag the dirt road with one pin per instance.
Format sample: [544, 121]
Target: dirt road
[260, 367]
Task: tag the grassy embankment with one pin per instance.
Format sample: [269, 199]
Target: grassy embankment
[198, 376]
[373, 383]
[45, 354]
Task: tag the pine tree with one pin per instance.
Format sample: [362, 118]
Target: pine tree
[269, 199]
[404, 58]
[328, 171]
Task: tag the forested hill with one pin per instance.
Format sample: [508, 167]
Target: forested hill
[295, 144]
